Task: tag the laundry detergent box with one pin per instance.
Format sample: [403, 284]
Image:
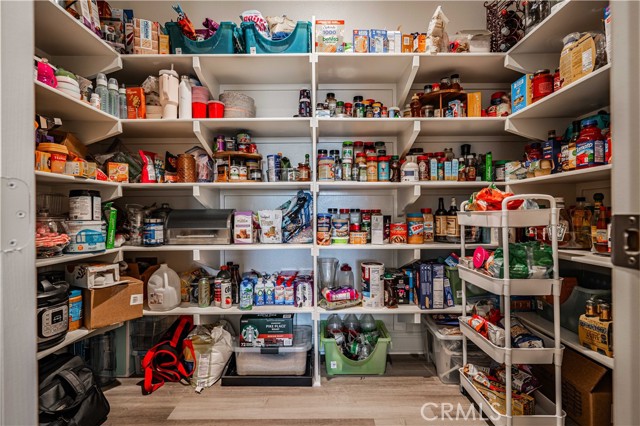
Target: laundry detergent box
[266, 330]
[521, 93]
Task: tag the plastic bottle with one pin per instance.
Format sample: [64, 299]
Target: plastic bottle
[235, 284]
[345, 276]
[258, 292]
[184, 96]
[334, 323]
[163, 289]
[590, 146]
[222, 279]
[113, 98]
[103, 92]
[269, 291]
[95, 101]
[367, 323]
[410, 172]
[351, 325]
[122, 102]
[571, 148]
[246, 294]
[564, 229]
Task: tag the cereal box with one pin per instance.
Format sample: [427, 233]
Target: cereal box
[329, 35]
[360, 41]
[379, 42]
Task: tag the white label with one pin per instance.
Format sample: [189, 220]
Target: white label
[540, 306]
[178, 50]
[587, 61]
[334, 365]
[203, 365]
[136, 299]
[252, 50]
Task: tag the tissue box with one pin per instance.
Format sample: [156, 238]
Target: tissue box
[92, 276]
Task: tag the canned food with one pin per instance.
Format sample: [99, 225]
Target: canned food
[398, 233]
[323, 238]
[225, 292]
[273, 175]
[372, 284]
[324, 222]
[153, 234]
[358, 237]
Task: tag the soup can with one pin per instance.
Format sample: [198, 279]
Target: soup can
[372, 284]
[153, 234]
[358, 237]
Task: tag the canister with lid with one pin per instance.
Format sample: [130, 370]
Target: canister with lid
[347, 149]
[153, 234]
[325, 168]
[415, 228]
[383, 168]
[372, 169]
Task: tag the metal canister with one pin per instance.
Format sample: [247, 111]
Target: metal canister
[372, 284]
[204, 292]
[225, 291]
[153, 233]
[605, 312]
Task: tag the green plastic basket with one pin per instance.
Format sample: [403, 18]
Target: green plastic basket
[337, 364]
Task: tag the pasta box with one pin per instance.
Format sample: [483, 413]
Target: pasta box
[521, 93]
[360, 41]
[266, 330]
[379, 42]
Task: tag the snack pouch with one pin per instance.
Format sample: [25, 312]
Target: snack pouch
[270, 226]
[148, 167]
[437, 38]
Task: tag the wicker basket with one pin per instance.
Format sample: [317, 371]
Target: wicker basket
[238, 105]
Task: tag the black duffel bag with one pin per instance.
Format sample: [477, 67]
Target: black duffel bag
[69, 394]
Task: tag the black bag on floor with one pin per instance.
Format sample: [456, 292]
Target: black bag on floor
[69, 394]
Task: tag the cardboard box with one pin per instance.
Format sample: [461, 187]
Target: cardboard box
[377, 229]
[521, 93]
[111, 305]
[586, 389]
[92, 276]
[437, 283]
[474, 104]
[395, 41]
[360, 41]
[379, 42]
[136, 106]
[266, 330]
[577, 59]
[118, 172]
[76, 168]
[407, 43]
[243, 227]
[163, 44]
[521, 404]
[128, 38]
[91, 169]
[73, 144]
[43, 161]
[596, 335]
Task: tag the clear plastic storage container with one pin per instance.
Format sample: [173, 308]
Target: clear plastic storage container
[279, 361]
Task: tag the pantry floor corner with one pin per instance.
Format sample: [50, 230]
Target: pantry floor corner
[353, 401]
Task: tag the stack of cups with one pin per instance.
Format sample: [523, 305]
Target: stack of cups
[199, 100]
[273, 168]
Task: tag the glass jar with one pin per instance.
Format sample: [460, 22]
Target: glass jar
[455, 82]
[234, 170]
[415, 106]
[369, 111]
[186, 168]
[355, 216]
[427, 111]
[423, 167]
[347, 150]
[384, 112]
[347, 165]
[380, 147]
[372, 169]
[358, 110]
[377, 110]
[361, 158]
[348, 109]
[326, 169]
[331, 103]
[383, 168]
[362, 172]
[304, 172]
[428, 89]
[471, 170]
[358, 147]
[394, 169]
[445, 83]
[542, 84]
[339, 107]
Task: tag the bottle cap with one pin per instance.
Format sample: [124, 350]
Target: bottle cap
[101, 79]
[113, 84]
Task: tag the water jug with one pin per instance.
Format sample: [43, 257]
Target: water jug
[163, 289]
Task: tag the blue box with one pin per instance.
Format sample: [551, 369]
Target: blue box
[425, 289]
[379, 42]
[521, 93]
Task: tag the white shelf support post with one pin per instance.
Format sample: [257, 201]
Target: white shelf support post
[407, 137]
[208, 81]
[406, 197]
[403, 85]
[205, 136]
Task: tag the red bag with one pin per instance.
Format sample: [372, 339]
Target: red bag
[163, 362]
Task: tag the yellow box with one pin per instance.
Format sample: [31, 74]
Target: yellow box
[163, 44]
[577, 59]
[474, 104]
[43, 161]
[76, 168]
[596, 335]
[118, 172]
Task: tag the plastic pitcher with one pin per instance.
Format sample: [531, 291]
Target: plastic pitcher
[163, 289]
[327, 267]
[345, 276]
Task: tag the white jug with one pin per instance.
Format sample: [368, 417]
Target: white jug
[169, 82]
[163, 289]
[184, 92]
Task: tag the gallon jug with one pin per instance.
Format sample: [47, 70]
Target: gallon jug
[163, 289]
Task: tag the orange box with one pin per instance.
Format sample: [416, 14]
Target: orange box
[474, 104]
[58, 162]
[43, 161]
[163, 44]
[136, 107]
[118, 172]
[77, 168]
[407, 43]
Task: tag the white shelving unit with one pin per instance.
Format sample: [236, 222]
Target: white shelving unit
[546, 412]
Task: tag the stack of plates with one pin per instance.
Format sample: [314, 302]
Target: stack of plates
[69, 86]
[238, 105]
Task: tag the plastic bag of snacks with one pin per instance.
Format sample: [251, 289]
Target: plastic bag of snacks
[490, 198]
[256, 17]
[280, 27]
[526, 260]
[185, 23]
[270, 226]
[521, 336]
[437, 38]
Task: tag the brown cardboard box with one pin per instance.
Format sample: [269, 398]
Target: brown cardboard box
[73, 144]
[474, 104]
[586, 389]
[111, 305]
[163, 42]
[596, 335]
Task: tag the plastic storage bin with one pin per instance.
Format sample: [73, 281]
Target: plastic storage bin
[445, 352]
[338, 364]
[147, 331]
[221, 42]
[137, 357]
[279, 361]
[299, 41]
[574, 306]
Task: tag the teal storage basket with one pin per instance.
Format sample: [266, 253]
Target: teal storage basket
[299, 41]
[221, 42]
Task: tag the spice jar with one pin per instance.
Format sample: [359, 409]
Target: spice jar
[384, 112]
[369, 148]
[394, 112]
[304, 172]
[416, 106]
[358, 147]
[415, 228]
[557, 83]
[428, 89]
[331, 102]
[445, 83]
[455, 82]
[325, 168]
[383, 168]
[368, 111]
[428, 225]
[348, 109]
[347, 150]
[423, 167]
[357, 99]
[435, 87]
[372, 169]
[380, 148]
[394, 169]
[377, 110]
[542, 84]
[339, 107]
[358, 110]
[186, 168]
[427, 111]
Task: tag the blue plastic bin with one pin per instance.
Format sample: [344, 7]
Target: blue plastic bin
[221, 42]
[299, 41]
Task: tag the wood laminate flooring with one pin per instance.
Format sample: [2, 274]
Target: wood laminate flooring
[395, 399]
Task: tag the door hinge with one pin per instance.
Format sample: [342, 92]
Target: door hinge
[625, 241]
[17, 218]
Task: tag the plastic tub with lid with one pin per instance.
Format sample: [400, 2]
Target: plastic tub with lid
[278, 361]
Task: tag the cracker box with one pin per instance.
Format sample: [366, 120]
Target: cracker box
[521, 93]
[407, 43]
[266, 330]
[145, 34]
[360, 41]
[118, 172]
[43, 161]
[243, 227]
[379, 42]
[136, 107]
[577, 59]
[474, 104]
[77, 168]
[596, 335]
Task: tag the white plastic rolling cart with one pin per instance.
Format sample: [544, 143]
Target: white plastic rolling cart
[546, 411]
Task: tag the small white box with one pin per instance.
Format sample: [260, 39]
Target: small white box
[377, 229]
[93, 276]
[243, 227]
[395, 41]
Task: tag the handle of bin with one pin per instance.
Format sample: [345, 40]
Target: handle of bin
[552, 201]
[270, 351]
